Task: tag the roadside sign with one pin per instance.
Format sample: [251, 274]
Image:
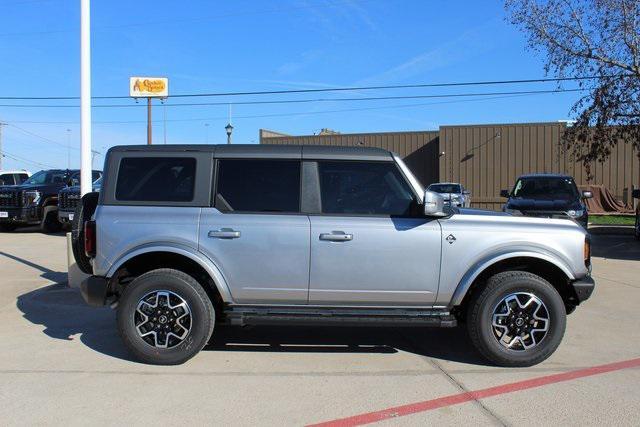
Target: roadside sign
[148, 87]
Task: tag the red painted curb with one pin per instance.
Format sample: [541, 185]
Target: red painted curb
[455, 399]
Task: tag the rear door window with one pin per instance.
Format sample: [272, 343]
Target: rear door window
[21, 177]
[156, 179]
[258, 186]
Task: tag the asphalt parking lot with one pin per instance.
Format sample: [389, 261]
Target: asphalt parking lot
[62, 362]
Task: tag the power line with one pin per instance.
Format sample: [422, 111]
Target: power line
[27, 132]
[21, 159]
[306, 101]
[291, 114]
[316, 90]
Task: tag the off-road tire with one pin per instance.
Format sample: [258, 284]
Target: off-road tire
[7, 228]
[50, 223]
[84, 211]
[480, 316]
[188, 288]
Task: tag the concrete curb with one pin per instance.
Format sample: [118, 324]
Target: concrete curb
[616, 230]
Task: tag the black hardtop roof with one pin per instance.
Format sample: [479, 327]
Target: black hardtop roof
[265, 151]
[545, 175]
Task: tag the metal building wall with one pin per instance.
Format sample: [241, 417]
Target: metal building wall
[488, 158]
[418, 149]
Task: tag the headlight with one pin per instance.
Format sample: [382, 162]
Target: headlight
[31, 198]
[456, 197]
[577, 213]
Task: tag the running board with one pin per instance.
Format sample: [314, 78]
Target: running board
[310, 316]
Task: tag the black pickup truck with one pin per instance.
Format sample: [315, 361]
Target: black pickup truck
[68, 199]
[35, 201]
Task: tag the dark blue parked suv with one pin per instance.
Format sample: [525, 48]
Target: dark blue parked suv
[547, 196]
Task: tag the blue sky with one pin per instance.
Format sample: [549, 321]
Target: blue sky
[241, 45]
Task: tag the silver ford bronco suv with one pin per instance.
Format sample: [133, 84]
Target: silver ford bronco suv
[184, 238]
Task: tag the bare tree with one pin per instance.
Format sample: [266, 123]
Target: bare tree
[599, 38]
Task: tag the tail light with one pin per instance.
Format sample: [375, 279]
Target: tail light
[587, 251]
[90, 238]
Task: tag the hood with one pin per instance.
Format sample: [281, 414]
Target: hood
[485, 212]
[76, 189]
[47, 190]
[543, 205]
[25, 187]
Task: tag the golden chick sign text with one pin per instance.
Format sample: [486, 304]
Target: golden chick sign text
[148, 87]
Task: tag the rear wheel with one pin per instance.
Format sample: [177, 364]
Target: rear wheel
[517, 319]
[165, 317]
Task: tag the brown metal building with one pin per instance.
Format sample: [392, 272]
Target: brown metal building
[486, 158]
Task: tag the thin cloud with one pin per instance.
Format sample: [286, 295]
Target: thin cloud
[469, 44]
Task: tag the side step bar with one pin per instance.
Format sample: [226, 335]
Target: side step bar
[310, 316]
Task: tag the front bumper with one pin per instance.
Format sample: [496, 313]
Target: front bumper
[20, 216]
[583, 288]
[65, 215]
[94, 290]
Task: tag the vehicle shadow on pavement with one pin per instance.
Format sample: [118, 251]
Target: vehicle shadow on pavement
[35, 229]
[447, 344]
[65, 316]
[623, 247]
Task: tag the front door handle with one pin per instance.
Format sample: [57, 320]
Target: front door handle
[224, 233]
[336, 236]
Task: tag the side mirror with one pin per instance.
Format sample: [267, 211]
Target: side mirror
[636, 193]
[587, 194]
[504, 193]
[433, 204]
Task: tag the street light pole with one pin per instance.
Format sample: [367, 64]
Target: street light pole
[68, 148]
[85, 96]
[229, 129]
[1, 152]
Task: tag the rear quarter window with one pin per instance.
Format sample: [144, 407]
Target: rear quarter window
[156, 179]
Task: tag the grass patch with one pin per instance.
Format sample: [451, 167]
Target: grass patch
[612, 219]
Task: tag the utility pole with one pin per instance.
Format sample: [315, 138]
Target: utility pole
[85, 97]
[1, 152]
[149, 121]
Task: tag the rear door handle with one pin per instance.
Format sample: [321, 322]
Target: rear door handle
[224, 233]
[336, 236]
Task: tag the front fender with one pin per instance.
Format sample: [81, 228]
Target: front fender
[473, 273]
[209, 266]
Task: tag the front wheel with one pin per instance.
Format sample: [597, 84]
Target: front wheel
[51, 224]
[517, 319]
[165, 317]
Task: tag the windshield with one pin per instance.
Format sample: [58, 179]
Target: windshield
[445, 188]
[46, 177]
[546, 188]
